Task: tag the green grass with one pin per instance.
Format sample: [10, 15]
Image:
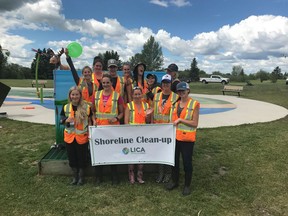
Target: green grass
[240, 170]
[24, 83]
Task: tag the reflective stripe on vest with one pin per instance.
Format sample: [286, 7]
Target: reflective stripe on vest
[134, 117]
[155, 90]
[113, 112]
[95, 81]
[143, 88]
[119, 88]
[166, 115]
[79, 130]
[183, 131]
[85, 91]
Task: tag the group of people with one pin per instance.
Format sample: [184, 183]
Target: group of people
[108, 99]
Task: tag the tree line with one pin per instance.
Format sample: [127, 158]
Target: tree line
[151, 55]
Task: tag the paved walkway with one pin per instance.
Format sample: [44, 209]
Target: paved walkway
[244, 111]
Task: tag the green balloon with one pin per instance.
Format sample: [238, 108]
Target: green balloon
[74, 49]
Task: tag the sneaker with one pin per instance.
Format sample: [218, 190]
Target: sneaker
[171, 185]
[140, 181]
[186, 191]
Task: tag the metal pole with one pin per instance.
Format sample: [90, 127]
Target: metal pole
[41, 95]
[36, 74]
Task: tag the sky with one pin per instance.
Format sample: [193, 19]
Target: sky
[220, 34]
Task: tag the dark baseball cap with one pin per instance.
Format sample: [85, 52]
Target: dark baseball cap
[150, 75]
[182, 86]
[172, 67]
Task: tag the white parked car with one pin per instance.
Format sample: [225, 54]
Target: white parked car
[286, 81]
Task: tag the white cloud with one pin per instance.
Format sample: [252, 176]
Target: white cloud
[161, 3]
[180, 3]
[166, 3]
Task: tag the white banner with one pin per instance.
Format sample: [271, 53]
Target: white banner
[132, 144]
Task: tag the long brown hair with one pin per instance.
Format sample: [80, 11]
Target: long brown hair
[81, 112]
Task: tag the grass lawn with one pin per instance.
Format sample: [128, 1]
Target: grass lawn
[24, 83]
[240, 170]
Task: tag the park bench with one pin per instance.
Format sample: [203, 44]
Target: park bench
[40, 82]
[230, 88]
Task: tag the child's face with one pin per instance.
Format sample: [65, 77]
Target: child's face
[75, 96]
[87, 74]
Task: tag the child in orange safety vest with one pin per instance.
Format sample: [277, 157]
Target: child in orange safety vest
[185, 117]
[137, 112]
[76, 116]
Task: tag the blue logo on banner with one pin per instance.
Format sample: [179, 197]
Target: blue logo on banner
[125, 150]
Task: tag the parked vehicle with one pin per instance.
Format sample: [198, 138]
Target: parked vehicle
[215, 79]
[287, 81]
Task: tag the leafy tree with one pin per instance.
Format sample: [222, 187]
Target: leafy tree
[252, 76]
[202, 73]
[109, 55]
[242, 75]
[184, 75]
[238, 74]
[217, 73]
[45, 70]
[134, 60]
[4, 54]
[276, 74]
[194, 71]
[151, 55]
[262, 75]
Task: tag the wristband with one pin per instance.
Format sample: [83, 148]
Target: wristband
[117, 118]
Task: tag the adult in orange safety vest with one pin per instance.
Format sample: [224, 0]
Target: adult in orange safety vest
[138, 79]
[118, 83]
[76, 116]
[162, 104]
[185, 117]
[137, 112]
[172, 70]
[153, 88]
[126, 68]
[85, 83]
[108, 111]
[97, 72]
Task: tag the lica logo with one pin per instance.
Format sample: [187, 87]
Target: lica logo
[125, 150]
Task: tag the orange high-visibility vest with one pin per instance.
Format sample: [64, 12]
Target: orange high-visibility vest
[85, 92]
[143, 88]
[137, 116]
[80, 130]
[185, 132]
[163, 114]
[119, 88]
[110, 110]
[154, 92]
[95, 81]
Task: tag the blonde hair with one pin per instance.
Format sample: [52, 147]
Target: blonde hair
[81, 112]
